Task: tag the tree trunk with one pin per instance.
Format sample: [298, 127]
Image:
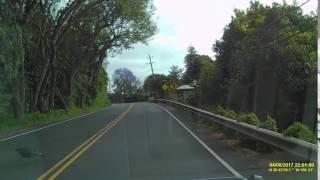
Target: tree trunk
[44, 74]
[310, 105]
[265, 91]
[19, 86]
[65, 107]
[53, 77]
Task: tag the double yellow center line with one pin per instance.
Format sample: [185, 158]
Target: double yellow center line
[63, 164]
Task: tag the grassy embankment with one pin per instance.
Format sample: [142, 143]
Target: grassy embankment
[10, 125]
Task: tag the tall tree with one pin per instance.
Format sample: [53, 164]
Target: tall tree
[207, 87]
[266, 61]
[193, 66]
[125, 82]
[57, 48]
[153, 85]
[175, 74]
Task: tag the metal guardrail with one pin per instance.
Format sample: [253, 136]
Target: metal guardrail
[301, 148]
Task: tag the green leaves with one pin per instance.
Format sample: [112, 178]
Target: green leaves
[265, 61]
[249, 118]
[57, 49]
[225, 112]
[300, 131]
[153, 84]
[269, 124]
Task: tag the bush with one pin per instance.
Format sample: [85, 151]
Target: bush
[101, 100]
[230, 114]
[269, 124]
[249, 118]
[218, 110]
[300, 131]
[225, 112]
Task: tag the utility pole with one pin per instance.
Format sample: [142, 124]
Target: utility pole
[109, 83]
[150, 62]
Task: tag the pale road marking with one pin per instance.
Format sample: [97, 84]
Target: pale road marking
[78, 148]
[83, 150]
[224, 163]
[76, 151]
[45, 127]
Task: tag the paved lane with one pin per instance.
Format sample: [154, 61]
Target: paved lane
[44, 148]
[145, 144]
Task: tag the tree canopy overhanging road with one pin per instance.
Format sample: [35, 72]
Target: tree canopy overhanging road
[66, 125]
[52, 52]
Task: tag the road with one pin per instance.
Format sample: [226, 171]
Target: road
[139, 141]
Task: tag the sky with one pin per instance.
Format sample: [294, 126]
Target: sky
[182, 23]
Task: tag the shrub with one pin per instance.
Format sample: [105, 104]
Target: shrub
[225, 112]
[269, 124]
[249, 118]
[101, 100]
[218, 110]
[229, 114]
[300, 131]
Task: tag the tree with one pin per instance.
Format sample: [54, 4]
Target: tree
[193, 66]
[207, 87]
[153, 85]
[175, 74]
[55, 49]
[266, 63]
[125, 82]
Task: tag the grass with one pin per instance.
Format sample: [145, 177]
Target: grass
[10, 125]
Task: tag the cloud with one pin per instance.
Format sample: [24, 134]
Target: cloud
[136, 59]
[183, 23]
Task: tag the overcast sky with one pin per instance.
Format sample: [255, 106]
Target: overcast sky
[182, 23]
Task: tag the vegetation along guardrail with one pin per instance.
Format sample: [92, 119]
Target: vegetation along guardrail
[301, 148]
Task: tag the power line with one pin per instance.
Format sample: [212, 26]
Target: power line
[279, 17]
[297, 27]
[290, 31]
[281, 38]
[295, 30]
[304, 3]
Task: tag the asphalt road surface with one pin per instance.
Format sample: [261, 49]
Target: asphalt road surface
[139, 141]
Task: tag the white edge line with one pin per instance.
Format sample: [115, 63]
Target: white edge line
[54, 124]
[224, 163]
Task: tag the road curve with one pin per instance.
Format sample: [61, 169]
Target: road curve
[137, 142]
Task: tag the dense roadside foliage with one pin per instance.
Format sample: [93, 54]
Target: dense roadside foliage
[153, 85]
[52, 52]
[264, 71]
[299, 130]
[265, 63]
